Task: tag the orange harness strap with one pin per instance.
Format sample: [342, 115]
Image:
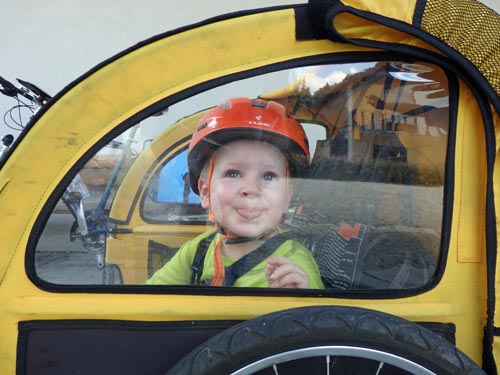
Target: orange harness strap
[219, 270]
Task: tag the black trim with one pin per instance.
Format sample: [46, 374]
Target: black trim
[449, 179]
[489, 362]
[304, 29]
[419, 13]
[119, 230]
[320, 14]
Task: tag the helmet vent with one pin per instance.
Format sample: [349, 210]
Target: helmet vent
[224, 105]
[201, 126]
[259, 104]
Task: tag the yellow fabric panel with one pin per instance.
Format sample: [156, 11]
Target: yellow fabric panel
[129, 84]
[354, 27]
[398, 9]
[470, 179]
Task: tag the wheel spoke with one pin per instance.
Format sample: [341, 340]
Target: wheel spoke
[333, 353]
[380, 368]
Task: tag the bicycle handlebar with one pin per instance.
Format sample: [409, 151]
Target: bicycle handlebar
[39, 96]
[8, 88]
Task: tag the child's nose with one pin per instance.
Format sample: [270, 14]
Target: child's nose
[250, 186]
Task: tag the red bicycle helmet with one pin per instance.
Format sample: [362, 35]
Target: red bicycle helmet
[254, 119]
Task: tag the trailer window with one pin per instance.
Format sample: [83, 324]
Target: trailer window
[369, 211]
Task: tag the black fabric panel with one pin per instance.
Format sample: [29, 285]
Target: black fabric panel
[304, 29]
[320, 15]
[79, 347]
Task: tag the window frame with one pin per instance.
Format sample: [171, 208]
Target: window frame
[331, 59]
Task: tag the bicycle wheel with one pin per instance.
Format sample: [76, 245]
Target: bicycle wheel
[111, 275]
[326, 340]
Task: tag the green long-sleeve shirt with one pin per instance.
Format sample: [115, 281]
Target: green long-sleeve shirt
[179, 269]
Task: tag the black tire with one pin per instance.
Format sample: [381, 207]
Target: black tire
[307, 340]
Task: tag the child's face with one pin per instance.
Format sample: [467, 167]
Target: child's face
[248, 187]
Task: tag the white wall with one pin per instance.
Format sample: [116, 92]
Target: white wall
[53, 42]
[493, 4]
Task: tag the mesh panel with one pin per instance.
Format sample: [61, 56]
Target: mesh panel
[470, 28]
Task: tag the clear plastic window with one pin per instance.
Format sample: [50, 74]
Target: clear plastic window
[368, 213]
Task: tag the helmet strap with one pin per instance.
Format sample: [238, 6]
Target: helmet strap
[211, 163]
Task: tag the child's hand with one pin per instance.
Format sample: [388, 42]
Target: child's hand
[281, 272]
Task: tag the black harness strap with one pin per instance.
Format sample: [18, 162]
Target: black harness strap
[249, 261]
[242, 265]
[199, 259]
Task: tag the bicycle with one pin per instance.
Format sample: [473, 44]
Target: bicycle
[90, 227]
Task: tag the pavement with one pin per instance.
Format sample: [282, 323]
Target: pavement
[60, 261]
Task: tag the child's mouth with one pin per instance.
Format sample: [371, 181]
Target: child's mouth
[249, 213]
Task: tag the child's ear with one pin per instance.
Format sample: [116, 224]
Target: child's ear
[204, 193]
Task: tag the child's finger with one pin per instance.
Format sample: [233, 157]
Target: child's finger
[279, 266]
[285, 269]
[268, 271]
[286, 274]
[272, 263]
[276, 261]
[291, 280]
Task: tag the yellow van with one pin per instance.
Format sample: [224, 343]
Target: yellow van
[400, 104]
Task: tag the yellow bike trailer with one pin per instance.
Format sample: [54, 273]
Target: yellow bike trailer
[400, 103]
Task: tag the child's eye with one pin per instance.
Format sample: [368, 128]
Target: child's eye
[233, 173]
[269, 176]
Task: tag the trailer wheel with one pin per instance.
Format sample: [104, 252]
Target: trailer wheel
[326, 340]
